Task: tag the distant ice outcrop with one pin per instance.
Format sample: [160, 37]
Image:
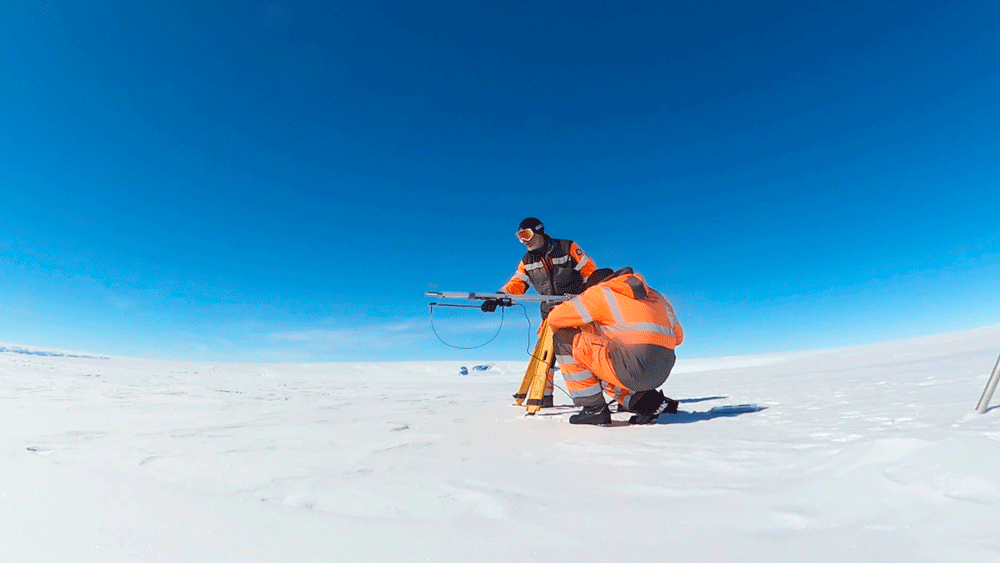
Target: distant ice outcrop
[26, 351]
[465, 371]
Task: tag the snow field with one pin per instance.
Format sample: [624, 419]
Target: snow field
[866, 454]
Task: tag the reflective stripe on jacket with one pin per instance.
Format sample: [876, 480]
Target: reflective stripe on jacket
[623, 308]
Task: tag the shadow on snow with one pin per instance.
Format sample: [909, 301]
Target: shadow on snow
[681, 417]
[685, 417]
[702, 399]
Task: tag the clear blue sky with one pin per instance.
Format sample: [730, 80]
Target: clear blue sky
[270, 181]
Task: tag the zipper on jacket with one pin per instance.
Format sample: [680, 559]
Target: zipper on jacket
[547, 264]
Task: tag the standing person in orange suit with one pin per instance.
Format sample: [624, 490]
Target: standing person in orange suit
[617, 337]
[552, 267]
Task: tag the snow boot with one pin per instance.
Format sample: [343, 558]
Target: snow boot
[598, 416]
[649, 405]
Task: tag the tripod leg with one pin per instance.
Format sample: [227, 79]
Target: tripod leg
[522, 391]
[539, 369]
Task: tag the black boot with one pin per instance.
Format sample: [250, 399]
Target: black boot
[649, 405]
[599, 416]
[670, 406]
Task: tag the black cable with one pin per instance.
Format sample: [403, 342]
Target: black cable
[527, 345]
[497, 333]
[527, 348]
[532, 354]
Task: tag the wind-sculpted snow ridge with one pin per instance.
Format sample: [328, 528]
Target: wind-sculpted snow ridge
[862, 455]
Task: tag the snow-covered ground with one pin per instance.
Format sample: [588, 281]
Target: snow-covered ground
[865, 454]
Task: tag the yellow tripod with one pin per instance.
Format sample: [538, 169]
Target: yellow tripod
[535, 377]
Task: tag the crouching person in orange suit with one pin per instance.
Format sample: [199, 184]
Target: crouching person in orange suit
[616, 338]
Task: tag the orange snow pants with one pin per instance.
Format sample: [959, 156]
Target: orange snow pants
[593, 366]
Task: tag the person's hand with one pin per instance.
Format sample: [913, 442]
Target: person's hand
[490, 305]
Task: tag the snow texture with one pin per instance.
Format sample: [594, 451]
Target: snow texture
[868, 454]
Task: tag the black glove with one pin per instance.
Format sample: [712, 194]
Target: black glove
[490, 305]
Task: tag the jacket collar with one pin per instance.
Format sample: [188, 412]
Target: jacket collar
[544, 249]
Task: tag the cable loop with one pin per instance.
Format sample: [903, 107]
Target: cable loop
[527, 348]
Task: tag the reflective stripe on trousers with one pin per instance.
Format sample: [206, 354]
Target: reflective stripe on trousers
[586, 367]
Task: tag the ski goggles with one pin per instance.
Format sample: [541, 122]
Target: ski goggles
[524, 235]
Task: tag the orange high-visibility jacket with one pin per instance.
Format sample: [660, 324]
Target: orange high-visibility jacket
[622, 308]
[560, 267]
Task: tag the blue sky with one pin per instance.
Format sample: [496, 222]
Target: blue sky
[282, 181]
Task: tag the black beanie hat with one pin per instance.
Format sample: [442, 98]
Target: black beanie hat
[533, 224]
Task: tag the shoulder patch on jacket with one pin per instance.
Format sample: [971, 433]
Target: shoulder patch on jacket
[579, 251]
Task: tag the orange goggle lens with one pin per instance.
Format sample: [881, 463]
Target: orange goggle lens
[524, 235]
